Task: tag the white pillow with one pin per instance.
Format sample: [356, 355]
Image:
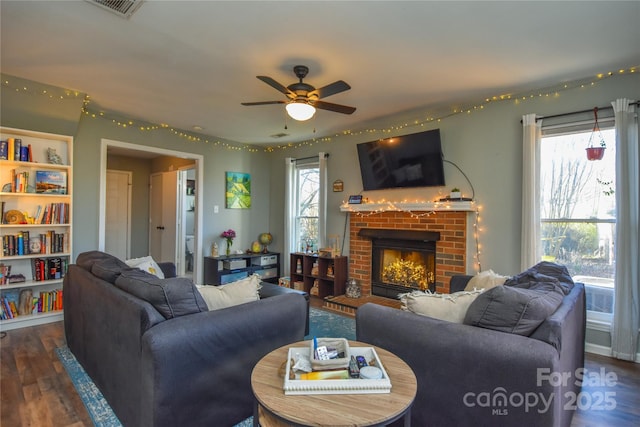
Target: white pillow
[485, 280]
[146, 263]
[449, 307]
[234, 293]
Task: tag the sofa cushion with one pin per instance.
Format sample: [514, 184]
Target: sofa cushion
[172, 297]
[146, 263]
[234, 293]
[87, 259]
[485, 280]
[449, 307]
[108, 269]
[517, 310]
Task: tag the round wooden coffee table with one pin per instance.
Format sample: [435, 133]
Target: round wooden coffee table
[274, 408]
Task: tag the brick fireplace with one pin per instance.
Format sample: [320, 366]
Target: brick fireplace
[452, 256]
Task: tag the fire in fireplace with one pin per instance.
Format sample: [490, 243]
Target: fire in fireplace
[402, 260]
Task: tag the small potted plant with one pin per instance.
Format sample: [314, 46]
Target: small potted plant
[455, 193]
[596, 153]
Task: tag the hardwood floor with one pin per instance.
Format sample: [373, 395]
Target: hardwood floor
[36, 391]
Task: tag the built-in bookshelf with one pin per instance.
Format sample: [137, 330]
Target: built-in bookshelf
[36, 177]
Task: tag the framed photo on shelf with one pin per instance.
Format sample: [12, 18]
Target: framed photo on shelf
[51, 182]
[355, 199]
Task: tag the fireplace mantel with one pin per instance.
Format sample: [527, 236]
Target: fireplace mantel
[410, 207]
[385, 233]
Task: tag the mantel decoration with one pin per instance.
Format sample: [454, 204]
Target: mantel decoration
[228, 235]
[455, 193]
[596, 153]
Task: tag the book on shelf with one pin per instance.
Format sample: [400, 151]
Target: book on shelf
[17, 148]
[19, 181]
[5, 272]
[4, 149]
[48, 268]
[21, 302]
[22, 243]
[12, 149]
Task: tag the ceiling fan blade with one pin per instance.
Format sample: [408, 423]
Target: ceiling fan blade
[333, 107]
[331, 89]
[277, 86]
[263, 102]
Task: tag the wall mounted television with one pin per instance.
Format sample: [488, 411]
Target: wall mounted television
[413, 160]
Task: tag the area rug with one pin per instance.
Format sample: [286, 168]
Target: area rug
[321, 324]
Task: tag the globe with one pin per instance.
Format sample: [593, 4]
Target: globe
[265, 239]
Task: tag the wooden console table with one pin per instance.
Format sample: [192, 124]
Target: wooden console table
[274, 408]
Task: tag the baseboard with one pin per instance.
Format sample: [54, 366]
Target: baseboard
[603, 351]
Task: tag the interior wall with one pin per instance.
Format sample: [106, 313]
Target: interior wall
[485, 144]
[64, 116]
[217, 160]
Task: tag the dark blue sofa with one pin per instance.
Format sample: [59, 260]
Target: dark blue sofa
[174, 364]
[473, 376]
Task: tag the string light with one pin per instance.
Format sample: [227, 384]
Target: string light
[554, 92]
[416, 211]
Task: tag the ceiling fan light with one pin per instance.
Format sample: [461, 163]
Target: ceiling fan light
[300, 111]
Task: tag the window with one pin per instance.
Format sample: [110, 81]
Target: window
[578, 210]
[307, 187]
[305, 211]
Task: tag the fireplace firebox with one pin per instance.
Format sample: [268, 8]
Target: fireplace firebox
[401, 260]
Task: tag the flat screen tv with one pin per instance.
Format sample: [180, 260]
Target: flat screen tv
[413, 160]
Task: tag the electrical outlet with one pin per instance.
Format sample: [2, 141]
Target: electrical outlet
[216, 209]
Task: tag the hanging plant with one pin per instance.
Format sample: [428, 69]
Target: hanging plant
[596, 152]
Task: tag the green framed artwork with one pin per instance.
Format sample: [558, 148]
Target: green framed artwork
[238, 190]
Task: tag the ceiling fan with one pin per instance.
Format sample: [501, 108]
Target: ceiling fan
[304, 98]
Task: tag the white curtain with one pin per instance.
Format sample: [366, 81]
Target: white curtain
[322, 201]
[530, 252]
[626, 318]
[289, 213]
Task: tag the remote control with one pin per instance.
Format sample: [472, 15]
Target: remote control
[354, 370]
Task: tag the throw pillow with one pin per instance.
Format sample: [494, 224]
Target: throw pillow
[515, 310]
[543, 272]
[485, 280]
[172, 297]
[234, 293]
[147, 264]
[449, 307]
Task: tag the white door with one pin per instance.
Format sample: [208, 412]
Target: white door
[163, 206]
[118, 214]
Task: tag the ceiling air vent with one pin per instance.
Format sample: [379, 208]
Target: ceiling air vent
[122, 8]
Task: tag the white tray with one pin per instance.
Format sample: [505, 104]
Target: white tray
[350, 386]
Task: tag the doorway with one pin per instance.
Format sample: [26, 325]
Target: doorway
[163, 218]
[118, 214]
[186, 221]
[134, 150]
